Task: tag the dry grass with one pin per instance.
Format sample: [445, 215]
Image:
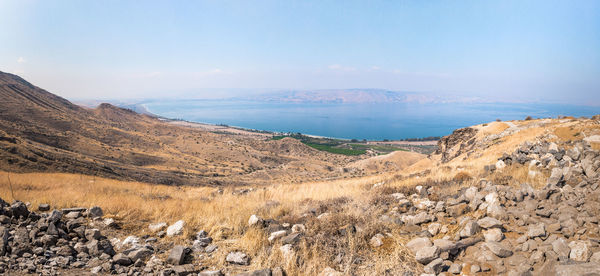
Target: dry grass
[224, 215]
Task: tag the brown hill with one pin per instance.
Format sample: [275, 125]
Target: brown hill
[41, 132]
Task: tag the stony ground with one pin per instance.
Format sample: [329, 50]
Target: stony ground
[484, 229]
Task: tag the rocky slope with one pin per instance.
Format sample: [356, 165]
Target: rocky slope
[41, 132]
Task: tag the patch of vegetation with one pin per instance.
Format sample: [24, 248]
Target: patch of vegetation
[333, 149]
[339, 146]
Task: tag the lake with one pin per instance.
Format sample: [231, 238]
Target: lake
[360, 121]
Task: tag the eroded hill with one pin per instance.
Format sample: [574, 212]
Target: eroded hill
[41, 132]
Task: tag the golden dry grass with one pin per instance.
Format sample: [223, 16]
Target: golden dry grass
[224, 215]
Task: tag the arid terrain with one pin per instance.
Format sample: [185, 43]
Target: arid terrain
[40, 132]
[108, 191]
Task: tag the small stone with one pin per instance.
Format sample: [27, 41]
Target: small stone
[177, 255]
[455, 268]
[238, 258]
[470, 229]
[176, 228]
[489, 222]
[376, 241]
[561, 248]
[158, 226]
[109, 222]
[475, 268]
[499, 249]
[536, 230]
[493, 234]
[427, 254]
[580, 251]
[298, 228]
[254, 220]
[434, 228]
[435, 266]
[276, 235]
[92, 234]
[417, 243]
[121, 259]
[43, 207]
[95, 212]
[211, 273]
[291, 238]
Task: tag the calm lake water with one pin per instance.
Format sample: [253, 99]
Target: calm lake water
[360, 121]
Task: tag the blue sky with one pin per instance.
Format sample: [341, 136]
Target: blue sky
[500, 50]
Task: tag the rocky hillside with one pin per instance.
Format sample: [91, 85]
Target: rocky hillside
[41, 132]
[514, 198]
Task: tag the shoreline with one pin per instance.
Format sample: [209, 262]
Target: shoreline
[266, 133]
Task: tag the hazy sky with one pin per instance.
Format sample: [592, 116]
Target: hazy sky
[503, 50]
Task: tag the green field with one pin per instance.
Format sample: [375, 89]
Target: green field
[339, 146]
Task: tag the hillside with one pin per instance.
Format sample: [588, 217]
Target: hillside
[41, 132]
[502, 198]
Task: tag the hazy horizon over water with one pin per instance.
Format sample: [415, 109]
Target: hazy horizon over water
[371, 121]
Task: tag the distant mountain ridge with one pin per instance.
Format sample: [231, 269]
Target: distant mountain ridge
[355, 96]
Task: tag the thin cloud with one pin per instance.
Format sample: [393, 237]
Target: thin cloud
[21, 60]
[337, 67]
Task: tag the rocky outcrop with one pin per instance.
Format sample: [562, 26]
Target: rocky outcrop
[453, 145]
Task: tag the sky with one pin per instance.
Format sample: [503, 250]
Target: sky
[540, 51]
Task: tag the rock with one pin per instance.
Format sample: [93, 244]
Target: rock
[417, 243]
[176, 228]
[276, 235]
[109, 222]
[55, 216]
[238, 258]
[287, 251]
[498, 249]
[457, 210]
[254, 220]
[500, 165]
[556, 176]
[92, 234]
[496, 211]
[578, 269]
[43, 207]
[211, 248]
[435, 266]
[445, 245]
[376, 241]
[493, 234]
[95, 212]
[177, 255]
[298, 228]
[328, 271]
[475, 268]
[211, 273]
[121, 259]
[574, 153]
[455, 268]
[291, 238]
[19, 210]
[434, 228]
[561, 248]
[536, 230]
[420, 218]
[489, 222]
[469, 229]
[580, 251]
[186, 269]
[158, 226]
[427, 254]
[262, 272]
[141, 253]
